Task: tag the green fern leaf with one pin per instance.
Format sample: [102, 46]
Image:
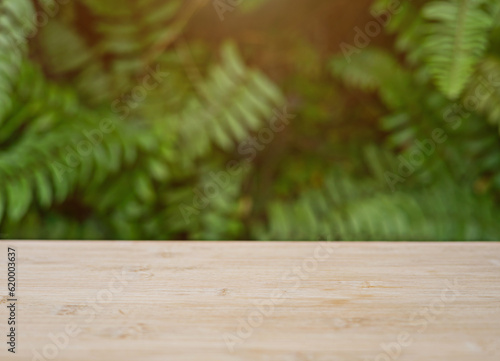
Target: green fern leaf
[457, 38]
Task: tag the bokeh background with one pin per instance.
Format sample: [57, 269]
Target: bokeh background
[250, 119]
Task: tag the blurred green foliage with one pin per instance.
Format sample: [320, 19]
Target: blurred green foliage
[155, 119]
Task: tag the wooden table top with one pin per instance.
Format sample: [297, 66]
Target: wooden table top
[249, 301]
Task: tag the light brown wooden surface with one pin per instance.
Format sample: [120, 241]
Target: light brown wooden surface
[181, 300]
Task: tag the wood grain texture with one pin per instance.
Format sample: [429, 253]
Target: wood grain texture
[247, 301]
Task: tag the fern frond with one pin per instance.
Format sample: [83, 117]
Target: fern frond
[35, 169]
[13, 46]
[406, 24]
[348, 209]
[127, 38]
[457, 38]
[376, 70]
[232, 102]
